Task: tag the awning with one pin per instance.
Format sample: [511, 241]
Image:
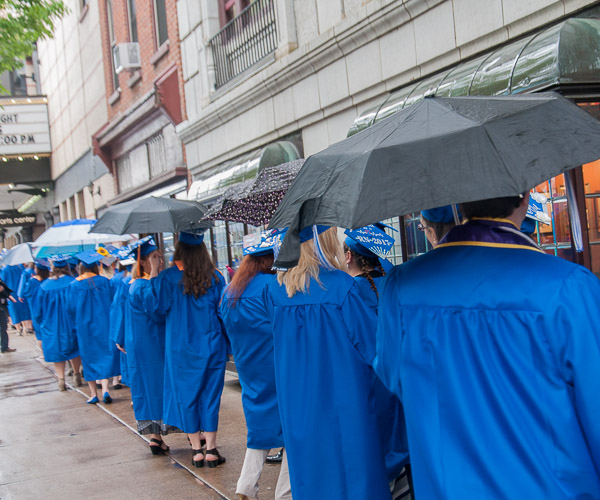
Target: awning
[214, 182]
[565, 54]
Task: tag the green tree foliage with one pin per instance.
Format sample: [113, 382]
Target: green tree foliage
[22, 23]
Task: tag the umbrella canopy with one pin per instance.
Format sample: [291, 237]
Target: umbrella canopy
[152, 215]
[72, 237]
[255, 201]
[437, 152]
[19, 254]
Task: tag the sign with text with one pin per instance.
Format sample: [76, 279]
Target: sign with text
[24, 129]
[7, 220]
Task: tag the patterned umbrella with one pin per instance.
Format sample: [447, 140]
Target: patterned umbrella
[255, 201]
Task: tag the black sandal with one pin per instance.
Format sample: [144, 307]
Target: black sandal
[197, 463]
[213, 463]
[158, 450]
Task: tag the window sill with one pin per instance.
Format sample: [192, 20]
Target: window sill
[135, 78]
[160, 53]
[114, 97]
[84, 11]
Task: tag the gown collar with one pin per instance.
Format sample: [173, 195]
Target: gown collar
[145, 276]
[498, 233]
[85, 276]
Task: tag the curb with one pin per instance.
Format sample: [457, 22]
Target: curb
[122, 422]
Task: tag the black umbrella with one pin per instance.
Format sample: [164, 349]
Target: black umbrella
[152, 215]
[254, 202]
[437, 152]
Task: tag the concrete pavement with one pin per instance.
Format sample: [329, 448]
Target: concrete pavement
[53, 445]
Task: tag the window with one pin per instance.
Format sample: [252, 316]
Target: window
[228, 9]
[156, 156]
[160, 22]
[133, 33]
[113, 43]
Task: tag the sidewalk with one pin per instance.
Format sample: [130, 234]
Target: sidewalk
[53, 445]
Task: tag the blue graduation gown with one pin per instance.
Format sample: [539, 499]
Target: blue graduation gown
[195, 351]
[249, 329]
[119, 284]
[388, 408]
[323, 346]
[59, 340]
[145, 346]
[32, 294]
[89, 307]
[18, 311]
[495, 353]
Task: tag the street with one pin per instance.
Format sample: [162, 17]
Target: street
[53, 445]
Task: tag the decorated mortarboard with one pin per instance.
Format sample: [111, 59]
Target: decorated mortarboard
[369, 241]
[535, 213]
[442, 215]
[143, 247]
[260, 243]
[42, 264]
[535, 209]
[89, 257]
[59, 260]
[192, 239]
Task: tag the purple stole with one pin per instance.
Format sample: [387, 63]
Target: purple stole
[488, 232]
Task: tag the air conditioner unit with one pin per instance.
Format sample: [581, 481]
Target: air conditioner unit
[127, 56]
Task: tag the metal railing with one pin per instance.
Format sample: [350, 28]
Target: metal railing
[244, 41]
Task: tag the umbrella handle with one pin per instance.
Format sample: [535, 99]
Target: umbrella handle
[455, 213]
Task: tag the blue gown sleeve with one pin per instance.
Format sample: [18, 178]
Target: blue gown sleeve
[360, 322]
[574, 338]
[158, 297]
[389, 336]
[138, 294]
[22, 284]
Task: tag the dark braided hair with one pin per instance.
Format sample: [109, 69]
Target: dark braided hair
[366, 264]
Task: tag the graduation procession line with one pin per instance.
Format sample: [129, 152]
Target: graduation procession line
[224, 487]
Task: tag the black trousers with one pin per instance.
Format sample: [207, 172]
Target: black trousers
[3, 326]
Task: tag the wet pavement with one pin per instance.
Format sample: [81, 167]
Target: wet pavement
[53, 445]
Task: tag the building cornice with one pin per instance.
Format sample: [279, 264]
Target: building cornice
[370, 23]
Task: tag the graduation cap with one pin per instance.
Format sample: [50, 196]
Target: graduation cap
[369, 241]
[192, 239]
[260, 243]
[535, 213]
[443, 215]
[59, 260]
[142, 247]
[89, 257]
[42, 264]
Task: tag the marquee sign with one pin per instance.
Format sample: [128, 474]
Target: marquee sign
[24, 129]
[8, 220]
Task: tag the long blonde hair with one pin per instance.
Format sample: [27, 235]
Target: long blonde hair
[297, 279]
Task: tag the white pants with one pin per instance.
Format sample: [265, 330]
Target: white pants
[251, 471]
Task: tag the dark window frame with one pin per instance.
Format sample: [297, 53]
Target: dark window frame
[160, 10]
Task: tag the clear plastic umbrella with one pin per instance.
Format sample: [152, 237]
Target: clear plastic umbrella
[72, 237]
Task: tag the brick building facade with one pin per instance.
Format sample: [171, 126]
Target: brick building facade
[138, 143]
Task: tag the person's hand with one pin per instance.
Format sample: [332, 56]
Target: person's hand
[21, 300]
[154, 258]
[12, 299]
[121, 349]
